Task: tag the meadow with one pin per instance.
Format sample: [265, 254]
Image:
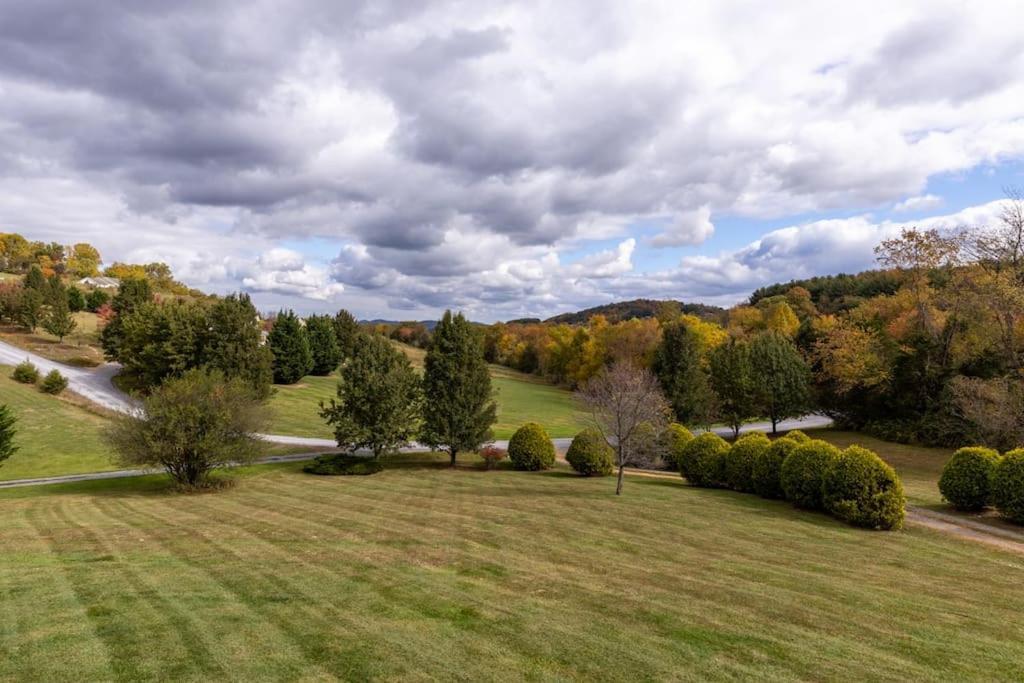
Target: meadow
[521, 398]
[81, 347]
[425, 572]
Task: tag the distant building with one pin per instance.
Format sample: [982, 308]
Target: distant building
[100, 282]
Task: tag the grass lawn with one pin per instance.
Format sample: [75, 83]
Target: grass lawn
[81, 347]
[521, 398]
[431, 573]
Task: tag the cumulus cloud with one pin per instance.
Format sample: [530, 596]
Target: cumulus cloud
[462, 151]
[923, 202]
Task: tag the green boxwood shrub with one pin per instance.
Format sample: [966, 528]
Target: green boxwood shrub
[1008, 486]
[966, 480]
[54, 382]
[768, 468]
[797, 435]
[531, 449]
[863, 490]
[702, 459]
[803, 472]
[673, 439]
[343, 464]
[590, 455]
[739, 461]
[25, 373]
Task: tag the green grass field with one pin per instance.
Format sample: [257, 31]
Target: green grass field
[429, 573]
[521, 398]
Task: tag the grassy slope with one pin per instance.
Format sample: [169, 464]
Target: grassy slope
[81, 347]
[436, 573]
[521, 398]
[53, 436]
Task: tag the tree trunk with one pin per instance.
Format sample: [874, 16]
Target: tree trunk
[775, 426]
[618, 484]
[452, 451]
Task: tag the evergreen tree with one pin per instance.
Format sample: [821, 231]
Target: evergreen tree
[34, 279]
[57, 319]
[459, 408]
[32, 309]
[346, 329]
[234, 343]
[7, 420]
[323, 344]
[76, 300]
[681, 370]
[782, 378]
[379, 397]
[133, 293]
[732, 378]
[290, 347]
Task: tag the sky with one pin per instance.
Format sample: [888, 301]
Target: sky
[507, 159]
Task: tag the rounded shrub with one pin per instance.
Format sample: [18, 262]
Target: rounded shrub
[797, 435]
[1008, 486]
[966, 480]
[863, 490]
[531, 449]
[739, 461]
[590, 455]
[702, 459]
[25, 373]
[54, 382]
[803, 471]
[768, 468]
[673, 439]
[343, 464]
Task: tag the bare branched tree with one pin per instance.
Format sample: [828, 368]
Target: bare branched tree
[992, 408]
[621, 398]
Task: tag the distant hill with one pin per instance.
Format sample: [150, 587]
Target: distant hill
[637, 308]
[429, 324]
[833, 293]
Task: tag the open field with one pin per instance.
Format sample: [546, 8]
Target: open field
[433, 573]
[81, 347]
[521, 398]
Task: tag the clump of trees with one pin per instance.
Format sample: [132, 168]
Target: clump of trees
[191, 426]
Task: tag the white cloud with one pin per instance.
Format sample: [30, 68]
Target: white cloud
[924, 202]
[691, 227]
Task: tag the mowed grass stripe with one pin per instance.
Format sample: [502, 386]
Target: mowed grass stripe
[460, 574]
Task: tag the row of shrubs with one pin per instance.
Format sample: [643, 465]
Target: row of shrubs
[854, 485]
[27, 373]
[976, 478]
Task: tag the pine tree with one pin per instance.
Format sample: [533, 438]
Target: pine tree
[681, 370]
[290, 347]
[58, 320]
[378, 401]
[7, 420]
[34, 279]
[732, 378]
[323, 344]
[346, 329]
[782, 378]
[32, 309]
[234, 343]
[459, 408]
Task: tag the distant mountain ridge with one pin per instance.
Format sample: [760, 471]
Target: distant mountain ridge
[637, 308]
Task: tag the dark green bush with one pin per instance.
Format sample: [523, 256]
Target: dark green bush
[803, 472]
[739, 461]
[768, 468]
[702, 459]
[966, 480]
[54, 382]
[673, 439]
[1008, 486]
[25, 373]
[531, 449]
[863, 490]
[797, 435]
[344, 464]
[590, 455]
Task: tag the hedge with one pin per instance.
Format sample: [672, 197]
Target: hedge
[343, 464]
[1008, 486]
[966, 480]
[803, 472]
[673, 439]
[531, 449]
[860, 488]
[590, 455]
[701, 460]
[797, 435]
[739, 461]
[768, 468]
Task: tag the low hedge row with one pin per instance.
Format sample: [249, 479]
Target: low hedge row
[976, 478]
[854, 485]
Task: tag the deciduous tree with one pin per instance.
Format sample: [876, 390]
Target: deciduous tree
[732, 377]
[781, 377]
